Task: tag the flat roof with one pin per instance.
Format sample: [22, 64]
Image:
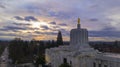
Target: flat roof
[114, 55]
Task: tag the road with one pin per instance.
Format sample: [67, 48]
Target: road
[4, 59]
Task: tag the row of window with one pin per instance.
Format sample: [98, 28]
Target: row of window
[99, 65]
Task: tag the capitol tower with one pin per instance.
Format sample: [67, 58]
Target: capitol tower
[79, 36]
[79, 53]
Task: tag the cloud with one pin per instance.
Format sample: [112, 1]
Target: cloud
[53, 23]
[109, 28]
[26, 18]
[46, 33]
[7, 34]
[30, 18]
[65, 32]
[104, 34]
[18, 18]
[17, 28]
[13, 28]
[107, 31]
[94, 19]
[37, 32]
[24, 24]
[44, 27]
[63, 24]
[94, 14]
[2, 5]
[60, 15]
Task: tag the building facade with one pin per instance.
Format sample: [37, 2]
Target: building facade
[79, 53]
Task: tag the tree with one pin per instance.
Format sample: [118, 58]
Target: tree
[39, 60]
[65, 65]
[59, 39]
[18, 49]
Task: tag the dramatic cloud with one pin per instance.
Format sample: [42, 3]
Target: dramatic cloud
[18, 18]
[17, 28]
[94, 19]
[45, 27]
[37, 32]
[109, 29]
[1, 6]
[98, 16]
[13, 28]
[63, 24]
[24, 24]
[54, 23]
[65, 32]
[7, 34]
[46, 33]
[104, 34]
[60, 15]
[26, 18]
[30, 18]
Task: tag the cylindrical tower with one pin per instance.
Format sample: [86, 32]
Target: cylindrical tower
[79, 36]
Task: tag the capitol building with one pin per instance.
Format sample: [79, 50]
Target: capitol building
[79, 53]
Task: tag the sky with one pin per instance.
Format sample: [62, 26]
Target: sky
[42, 19]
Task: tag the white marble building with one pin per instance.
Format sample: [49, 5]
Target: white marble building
[79, 53]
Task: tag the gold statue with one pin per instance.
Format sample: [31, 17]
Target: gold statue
[78, 20]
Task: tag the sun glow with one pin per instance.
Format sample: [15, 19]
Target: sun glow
[38, 24]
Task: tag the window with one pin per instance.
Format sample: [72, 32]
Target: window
[64, 60]
[70, 62]
[105, 66]
[99, 65]
[94, 64]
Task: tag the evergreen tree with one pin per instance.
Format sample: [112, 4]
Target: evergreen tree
[59, 39]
